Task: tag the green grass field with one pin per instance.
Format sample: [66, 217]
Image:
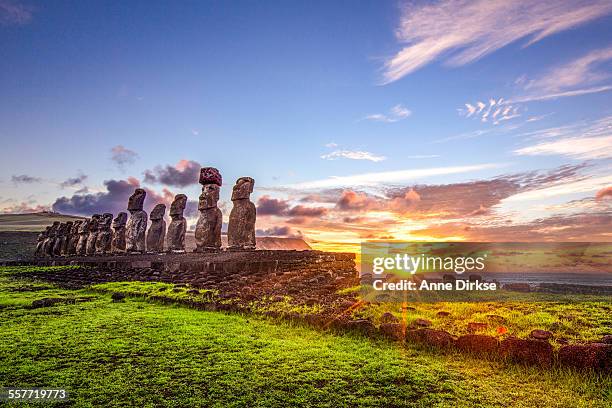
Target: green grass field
[142, 353]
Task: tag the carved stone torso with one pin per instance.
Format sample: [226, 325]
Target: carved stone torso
[241, 228]
[208, 229]
[90, 249]
[118, 241]
[105, 234]
[81, 248]
[135, 231]
[175, 238]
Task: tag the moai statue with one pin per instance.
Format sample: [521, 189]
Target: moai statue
[175, 239]
[73, 241]
[105, 234]
[49, 243]
[157, 231]
[81, 248]
[40, 241]
[241, 228]
[208, 228]
[94, 225]
[137, 224]
[60, 239]
[118, 242]
[66, 238]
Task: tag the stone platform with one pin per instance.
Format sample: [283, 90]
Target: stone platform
[329, 270]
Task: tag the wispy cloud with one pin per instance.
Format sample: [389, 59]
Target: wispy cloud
[462, 31]
[14, 13]
[583, 140]
[580, 72]
[494, 111]
[395, 114]
[353, 155]
[390, 177]
[576, 147]
[25, 179]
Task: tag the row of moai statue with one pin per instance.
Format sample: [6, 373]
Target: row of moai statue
[101, 234]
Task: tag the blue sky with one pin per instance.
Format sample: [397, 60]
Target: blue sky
[295, 93]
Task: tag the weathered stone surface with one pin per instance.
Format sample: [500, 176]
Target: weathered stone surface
[49, 242]
[241, 228]
[105, 234]
[363, 326]
[478, 343]
[208, 228]
[593, 356]
[422, 322]
[210, 175]
[66, 238]
[93, 234]
[81, 248]
[175, 239]
[541, 334]
[393, 331]
[74, 238]
[40, 241]
[137, 224]
[118, 241]
[443, 313]
[60, 239]
[431, 337]
[388, 317]
[532, 352]
[607, 339]
[157, 231]
[476, 326]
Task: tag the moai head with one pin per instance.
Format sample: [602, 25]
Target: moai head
[158, 212]
[68, 227]
[178, 206]
[84, 227]
[120, 220]
[136, 201]
[210, 175]
[75, 227]
[209, 196]
[45, 233]
[54, 228]
[105, 222]
[94, 223]
[243, 188]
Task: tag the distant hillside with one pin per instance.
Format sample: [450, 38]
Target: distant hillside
[34, 222]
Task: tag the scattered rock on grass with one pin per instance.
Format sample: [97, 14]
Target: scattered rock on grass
[478, 344]
[431, 337]
[362, 326]
[476, 326]
[392, 330]
[388, 317]
[541, 334]
[46, 302]
[593, 356]
[193, 292]
[118, 296]
[442, 313]
[531, 352]
[422, 322]
[607, 339]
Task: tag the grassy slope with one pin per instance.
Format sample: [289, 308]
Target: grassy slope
[138, 353]
[35, 222]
